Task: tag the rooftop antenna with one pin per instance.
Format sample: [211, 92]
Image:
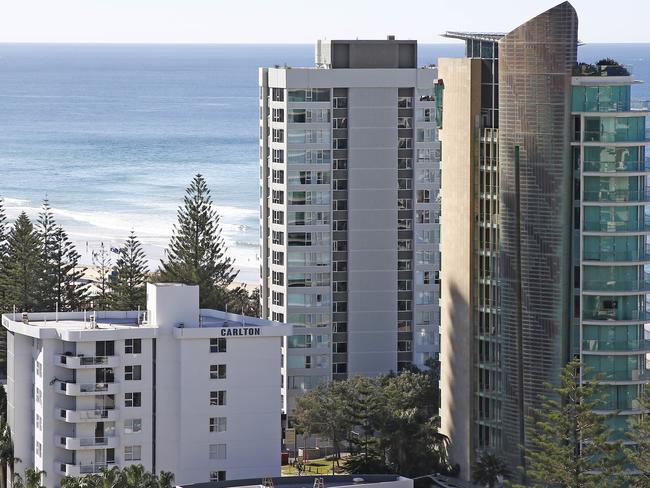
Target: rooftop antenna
[56, 312]
[14, 313]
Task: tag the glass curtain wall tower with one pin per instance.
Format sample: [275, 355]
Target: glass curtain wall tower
[612, 258]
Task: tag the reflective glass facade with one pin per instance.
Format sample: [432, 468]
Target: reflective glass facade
[612, 273]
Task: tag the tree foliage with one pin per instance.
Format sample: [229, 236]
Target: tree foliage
[390, 422]
[638, 454]
[571, 444]
[23, 267]
[197, 251]
[102, 261]
[130, 274]
[489, 467]
[133, 476]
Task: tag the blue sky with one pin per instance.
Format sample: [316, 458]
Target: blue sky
[298, 21]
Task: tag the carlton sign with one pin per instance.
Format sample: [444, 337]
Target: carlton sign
[240, 331]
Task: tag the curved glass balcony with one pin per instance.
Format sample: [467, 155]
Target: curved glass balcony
[635, 345]
[601, 255]
[617, 196]
[605, 285]
[616, 167]
[616, 226]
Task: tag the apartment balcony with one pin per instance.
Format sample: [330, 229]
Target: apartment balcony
[597, 347]
[87, 389]
[623, 376]
[98, 415]
[614, 197]
[606, 317]
[70, 469]
[596, 168]
[600, 227]
[86, 362]
[76, 443]
[616, 287]
[600, 256]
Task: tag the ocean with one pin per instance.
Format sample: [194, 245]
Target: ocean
[113, 134]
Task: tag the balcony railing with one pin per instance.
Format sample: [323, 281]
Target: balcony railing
[81, 361]
[68, 442]
[71, 388]
[71, 469]
[635, 345]
[617, 196]
[616, 226]
[88, 415]
[617, 167]
[621, 375]
[642, 284]
[630, 255]
[640, 315]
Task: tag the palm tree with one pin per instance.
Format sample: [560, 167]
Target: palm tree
[112, 478]
[17, 481]
[7, 459]
[33, 478]
[488, 468]
[165, 479]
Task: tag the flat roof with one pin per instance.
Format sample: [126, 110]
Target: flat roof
[474, 36]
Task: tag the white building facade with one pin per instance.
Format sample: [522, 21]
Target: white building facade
[194, 392]
[349, 180]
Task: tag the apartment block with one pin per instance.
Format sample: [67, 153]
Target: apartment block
[349, 179]
[174, 388]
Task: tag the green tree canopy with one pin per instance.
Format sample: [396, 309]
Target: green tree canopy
[130, 274]
[638, 455]
[23, 268]
[571, 444]
[197, 252]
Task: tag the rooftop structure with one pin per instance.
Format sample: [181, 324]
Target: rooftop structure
[173, 387]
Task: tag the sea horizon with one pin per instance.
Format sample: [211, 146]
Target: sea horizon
[112, 133]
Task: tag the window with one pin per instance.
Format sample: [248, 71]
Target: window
[404, 102]
[39, 450]
[340, 164]
[39, 369]
[404, 245]
[218, 397]
[133, 399]
[340, 144]
[340, 102]
[340, 123]
[278, 278]
[422, 216]
[339, 347]
[278, 216]
[278, 155]
[278, 257]
[217, 451]
[278, 196]
[217, 371]
[403, 305]
[104, 348]
[425, 135]
[39, 422]
[278, 298]
[277, 317]
[298, 341]
[404, 346]
[277, 94]
[404, 265]
[404, 122]
[278, 176]
[424, 115]
[132, 426]
[404, 224]
[424, 196]
[218, 424]
[404, 183]
[277, 114]
[132, 373]
[132, 453]
[217, 476]
[404, 163]
[133, 346]
[278, 135]
[277, 236]
[39, 396]
[404, 204]
[404, 285]
[217, 344]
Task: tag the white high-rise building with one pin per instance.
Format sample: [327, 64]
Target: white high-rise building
[349, 180]
[175, 388]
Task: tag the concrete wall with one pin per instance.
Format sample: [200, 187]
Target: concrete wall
[461, 79]
[372, 231]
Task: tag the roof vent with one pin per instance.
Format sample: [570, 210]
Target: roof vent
[390, 37]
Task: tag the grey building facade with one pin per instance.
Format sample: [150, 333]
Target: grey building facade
[349, 178]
